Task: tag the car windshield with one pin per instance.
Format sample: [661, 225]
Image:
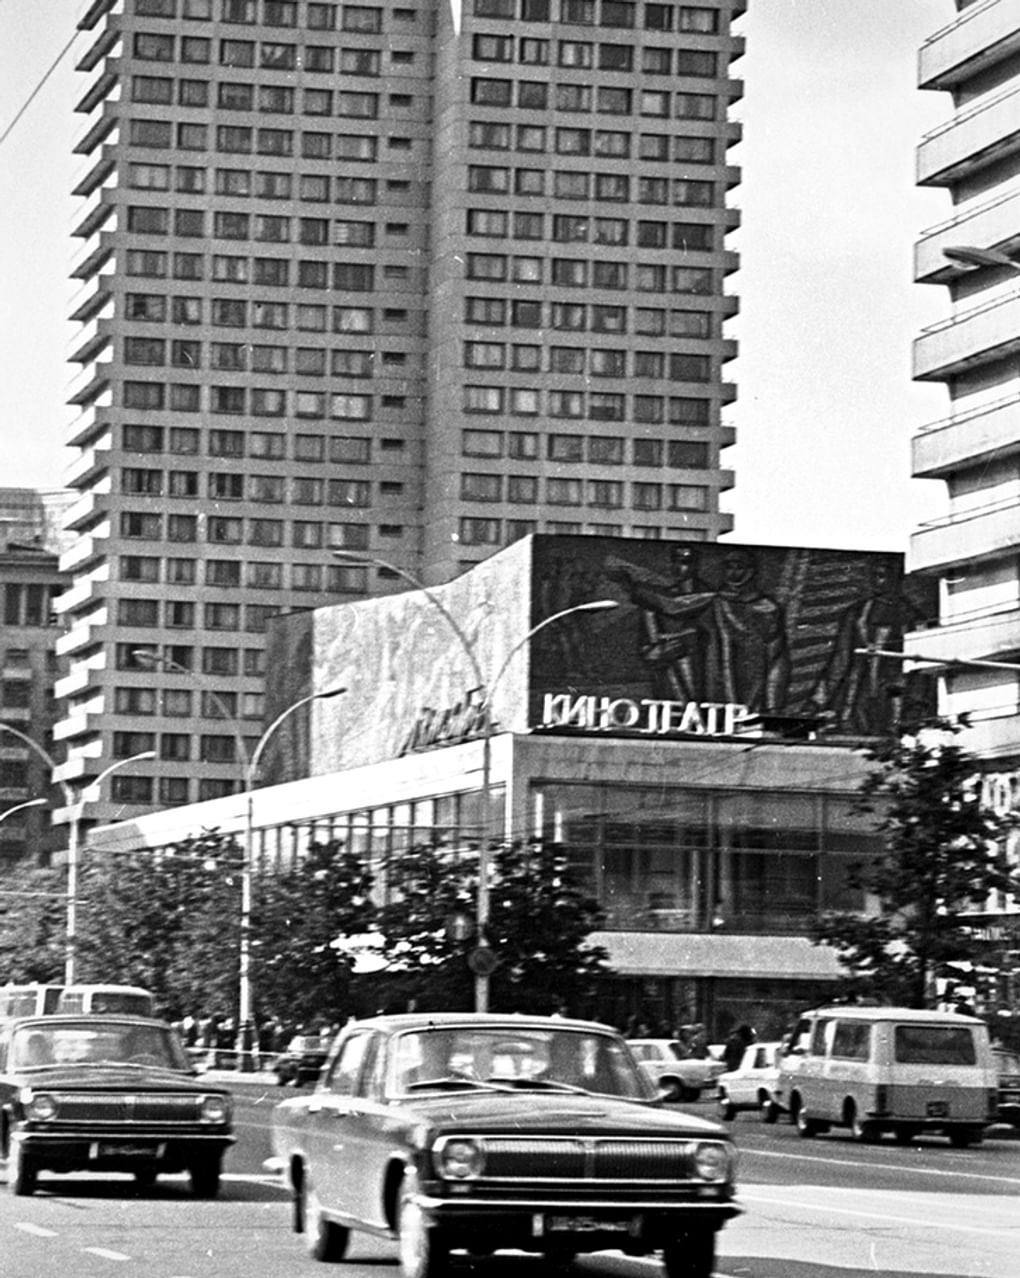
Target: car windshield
[92, 1041]
[511, 1056]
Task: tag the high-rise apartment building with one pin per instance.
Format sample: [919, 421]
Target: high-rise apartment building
[406, 280]
[975, 548]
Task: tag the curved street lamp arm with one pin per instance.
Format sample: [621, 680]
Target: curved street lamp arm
[20, 807]
[148, 658]
[263, 741]
[46, 757]
[465, 641]
[595, 605]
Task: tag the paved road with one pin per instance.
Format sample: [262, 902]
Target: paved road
[814, 1209]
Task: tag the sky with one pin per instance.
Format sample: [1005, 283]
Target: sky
[825, 409]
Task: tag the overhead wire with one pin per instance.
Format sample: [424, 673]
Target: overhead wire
[38, 88]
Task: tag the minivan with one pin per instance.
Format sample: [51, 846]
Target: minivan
[889, 1069]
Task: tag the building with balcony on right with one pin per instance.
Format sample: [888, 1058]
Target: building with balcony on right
[974, 548]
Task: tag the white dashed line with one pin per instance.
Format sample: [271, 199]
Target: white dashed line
[37, 1230]
[105, 1254]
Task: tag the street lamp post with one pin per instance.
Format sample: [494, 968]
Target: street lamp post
[244, 1013]
[249, 764]
[488, 688]
[75, 806]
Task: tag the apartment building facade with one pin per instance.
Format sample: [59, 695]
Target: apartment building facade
[30, 583]
[974, 549]
[402, 281]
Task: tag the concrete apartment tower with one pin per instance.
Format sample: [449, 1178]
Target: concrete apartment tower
[975, 548]
[406, 280]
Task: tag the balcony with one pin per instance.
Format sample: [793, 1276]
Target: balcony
[983, 335]
[995, 225]
[945, 447]
[970, 141]
[984, 637]
[980, 37]
[986, 533]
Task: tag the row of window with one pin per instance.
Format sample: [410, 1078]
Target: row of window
[220, 574]
[168, 792]
[275, 13]
[493, 312]
[250, 662]
[526, 402]
[580, 361]
[571, 184]
[232, 96]
[185, 614]
[609, 494]
[176, 747]
[538, 95]
[586, 55]
[266, 55]
[338, 450]
[243, 139]
[231, 530]
[695, 19]
[486, 532]
[598, 450]
[229, 486]
[618, 144]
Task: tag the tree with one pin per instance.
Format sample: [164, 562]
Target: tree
[33, 920]
[539, 922]
[299, 974]
[166, 919]
[943, 858]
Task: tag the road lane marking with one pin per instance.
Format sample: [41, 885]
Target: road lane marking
[912, 1221]
[27, 1227]
[105, 1254]
[891, 1167]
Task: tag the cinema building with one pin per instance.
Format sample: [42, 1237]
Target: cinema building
[694, 739]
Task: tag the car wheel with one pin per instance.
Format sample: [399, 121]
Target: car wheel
[904, 1135]
[690, 1256]
[961, 1137]
[324, 1239]
[424, 1252]
[205, 1178]
[806, 1127]
[146, 1178]
[860, 1131]
[22, 1172]
[727, 1111]
[770, 1112]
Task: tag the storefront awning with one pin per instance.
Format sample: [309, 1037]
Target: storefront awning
[703, 954]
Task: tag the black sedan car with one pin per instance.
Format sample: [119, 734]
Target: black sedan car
[106, 1094]
[483, 1133]
[302, 1060]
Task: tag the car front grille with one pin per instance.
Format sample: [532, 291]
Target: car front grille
[603, 1159]
[98, 1108]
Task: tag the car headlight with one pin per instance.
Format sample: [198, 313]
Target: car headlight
[712, 1161]
[459, 1157]
[214, 1109]
[41, 1107]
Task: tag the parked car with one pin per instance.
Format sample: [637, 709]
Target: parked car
[302, 1060]
[752, 1084]
[107, 1094]
[665, 1061]
[483, 1133]
[1008, 1065]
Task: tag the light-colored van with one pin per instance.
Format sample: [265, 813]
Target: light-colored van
[889, 1069]
[118, 1000]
